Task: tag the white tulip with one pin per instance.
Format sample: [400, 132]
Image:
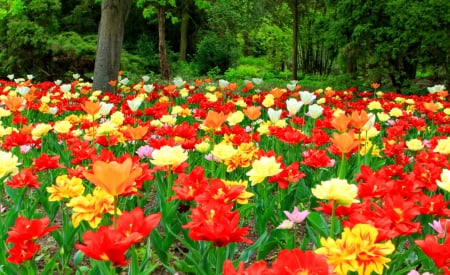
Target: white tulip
[315, 111]
[293, 106]
[307, 97]
[274, 115]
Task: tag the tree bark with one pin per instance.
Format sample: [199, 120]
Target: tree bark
[294, 39]
[164, 63]
[184, 33]
[109, 42]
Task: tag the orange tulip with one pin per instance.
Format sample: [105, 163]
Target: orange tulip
[252, 112]
[375, 85]
[198, 82]
[341, 122]
[113, 177]
[137, 133]
[91, 108]
[431, 106]
[112, 83]
[14, 103]
[359, 119]
[345, 142]
[277, 92]
[214, 119]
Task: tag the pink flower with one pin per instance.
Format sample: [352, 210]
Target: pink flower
[297, 216]
[145, 151]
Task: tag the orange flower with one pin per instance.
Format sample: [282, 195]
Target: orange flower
[375, 85]
[14, 103]
[113, 177]
[198, 82]
[249, 85]
[214, 119]
[359, 119]
[341, 122]
[91, 108]
[138, 132]
[252, 112]
[207, 80]
[345, 142]
[112, 83]
[431, 106]
[329, 93]
[277, 92]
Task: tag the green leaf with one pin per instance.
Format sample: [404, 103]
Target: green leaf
[249, 251]
[318, 223]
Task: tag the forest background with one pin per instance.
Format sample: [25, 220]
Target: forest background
[402, 44]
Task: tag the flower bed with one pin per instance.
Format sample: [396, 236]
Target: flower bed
[212, 178]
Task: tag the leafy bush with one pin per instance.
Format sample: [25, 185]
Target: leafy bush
[214, 51]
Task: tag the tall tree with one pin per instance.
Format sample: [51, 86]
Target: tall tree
[160, 8]
[109, 42]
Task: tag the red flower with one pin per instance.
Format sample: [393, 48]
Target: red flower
[436, 250]
[317, 159]
[287, 175]
[257, 268]
[45, 162]
[25, 229]
[24, 178]
[217, 223]
[298, 262]
[108, 245]
[219, 192]
[22, 251]
[135, 222]
[188, 186]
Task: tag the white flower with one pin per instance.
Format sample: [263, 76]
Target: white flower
[105, 108]
[124, 81]
[307, 97]
[10, 76]
[23, 90]
[436, 89]
[293, 105]
[134, 104]
[58, 82]
[223, 83]
[274, 115]
[257, 81]
[146, 78]
[76, 76]
[53, 110]
[315, 111]
[178, 81]
[148, 87]
[65, 88]
[30, 76]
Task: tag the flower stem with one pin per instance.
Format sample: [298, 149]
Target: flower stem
[116, 202]
[333, 218]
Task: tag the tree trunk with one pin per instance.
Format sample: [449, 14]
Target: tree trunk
[184, 33]
[294, 39]
[109, 42]
[163, 62]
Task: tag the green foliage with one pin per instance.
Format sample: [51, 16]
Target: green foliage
[215, 51]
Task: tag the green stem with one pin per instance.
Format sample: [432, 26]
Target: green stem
[219, 260]
[332, 220]
[341, 173]
[116, 203]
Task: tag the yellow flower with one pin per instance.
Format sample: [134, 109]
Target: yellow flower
[414, 144]
[106, 128]
[5, 131]
[91, 207]
[4, 112]
[65, 188]
[203, 147]
[357, 251]
[244, 195]
[169, 156]
[223, 151]
[268, 101]
[396, 112]
[336, 189]
[383, 117]
[235, 118]
[40, 130]
[369, 147]
[262, 168]
[443, 146]
[117, 118]
[62, 127]
[168, 119]
[8, 164]
[444, 183]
